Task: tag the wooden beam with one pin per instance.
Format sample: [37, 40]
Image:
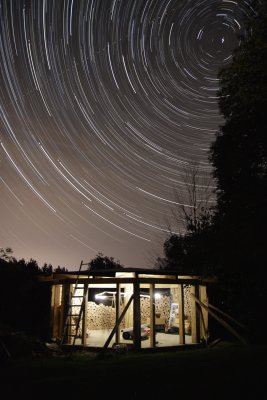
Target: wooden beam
[117, 324]
[137, 317]
[66, 296]
[152, 316]
[55, 311]
[114, 280]
[227, 316]
[117, 310]
[221, 321]
[195, 315]
[181, 313]
[204, 331]
[53, 326]
[84, 315]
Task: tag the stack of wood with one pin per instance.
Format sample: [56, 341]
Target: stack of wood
[145, 309]
[100, 316]
[162, 307]
[187, 299]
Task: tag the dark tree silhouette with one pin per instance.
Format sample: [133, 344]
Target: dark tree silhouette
[232, 242]
[239, 158]
[24, 301]
[104, 262]
[188, 252]
[239, 153]
[6, 253]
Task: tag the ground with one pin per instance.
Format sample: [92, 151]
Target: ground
[223, 371]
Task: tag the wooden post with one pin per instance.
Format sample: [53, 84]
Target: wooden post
[66, 298]
[137, 317]
[128, 292]
[181, 313]
[55, 311]
[84, 314]
[195, 317]
[203, 313]
[117, 310]
[152, 315]
[52, 327]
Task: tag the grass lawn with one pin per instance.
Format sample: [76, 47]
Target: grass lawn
[225, 371]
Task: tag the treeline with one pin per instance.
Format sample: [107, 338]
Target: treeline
[24, 301]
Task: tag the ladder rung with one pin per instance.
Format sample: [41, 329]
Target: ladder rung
[73, 315]
[77, 296]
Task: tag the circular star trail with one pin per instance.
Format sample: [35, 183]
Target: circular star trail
[103, 106]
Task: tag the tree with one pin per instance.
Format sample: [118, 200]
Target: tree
[104, 262]
[60, 270]
[24, 301]
[188, 252]
[239, 159]
[194, 205]
[6, 253]
[242, 174]
[48, 269]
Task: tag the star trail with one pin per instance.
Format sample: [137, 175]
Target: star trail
[103, 106]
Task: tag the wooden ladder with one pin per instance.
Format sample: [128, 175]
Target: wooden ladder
[75, 311]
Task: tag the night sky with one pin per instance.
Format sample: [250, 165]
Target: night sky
[104, 105]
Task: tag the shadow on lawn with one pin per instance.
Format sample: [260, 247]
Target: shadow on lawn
[223, 370]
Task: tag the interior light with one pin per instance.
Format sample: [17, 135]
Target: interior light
[107, 295]
[100, 297]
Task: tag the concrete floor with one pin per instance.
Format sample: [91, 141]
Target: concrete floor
[97, 338]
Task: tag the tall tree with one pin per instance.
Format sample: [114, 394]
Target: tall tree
[239, 153]
[239, 158]
[187, 252]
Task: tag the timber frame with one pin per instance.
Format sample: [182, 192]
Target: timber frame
[119, 280]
